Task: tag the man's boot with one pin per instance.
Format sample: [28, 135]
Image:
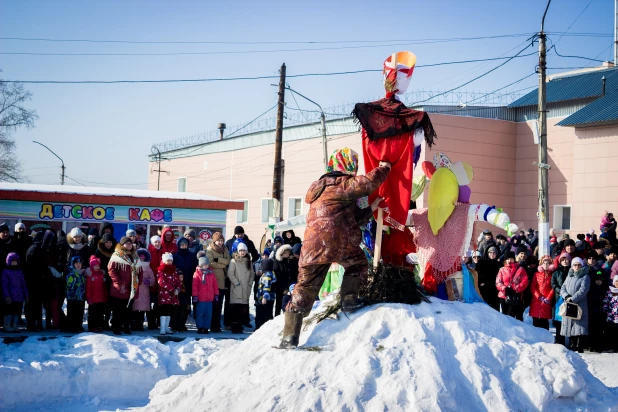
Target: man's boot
[291, 330]
[349, 294]
[7, 323]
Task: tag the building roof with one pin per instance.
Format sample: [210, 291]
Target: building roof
[113, 196]
[573, 87]
[602, 111]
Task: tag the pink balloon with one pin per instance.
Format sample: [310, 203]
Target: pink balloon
[464, 194]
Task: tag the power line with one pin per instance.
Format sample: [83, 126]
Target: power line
[577, 18]
[577, 57]
[70, 178]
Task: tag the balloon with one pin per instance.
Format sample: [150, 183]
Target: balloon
[464, 194]
[429, 169]
[443, 194]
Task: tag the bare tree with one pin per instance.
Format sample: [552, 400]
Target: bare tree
[13, 115]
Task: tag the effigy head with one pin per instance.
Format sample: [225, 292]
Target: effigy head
[397, 71]
[343, 160]
[448, 186]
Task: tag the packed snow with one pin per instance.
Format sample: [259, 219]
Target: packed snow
[446, 356]
[88, 370]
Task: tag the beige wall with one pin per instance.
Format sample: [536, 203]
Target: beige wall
[501, 153]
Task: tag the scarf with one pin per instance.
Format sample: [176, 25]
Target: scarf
[343, 160]
[77, 246]
[135, 267]
[216, 236]
[389, 117]
[613, 290]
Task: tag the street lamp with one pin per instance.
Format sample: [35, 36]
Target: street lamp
[62, 175]
[323, 120]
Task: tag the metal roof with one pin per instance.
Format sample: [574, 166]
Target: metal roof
[572, 87]
[602, 111]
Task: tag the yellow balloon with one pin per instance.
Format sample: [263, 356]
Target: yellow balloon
[442, 197]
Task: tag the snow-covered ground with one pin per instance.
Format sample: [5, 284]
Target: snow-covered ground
[439, 356]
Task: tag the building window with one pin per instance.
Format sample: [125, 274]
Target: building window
[241, 215]
[295, 207]
[562, 217]
[182, 184]
[268, 210]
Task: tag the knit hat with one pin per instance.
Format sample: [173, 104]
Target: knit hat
[93, 232]
[278, 239]
[563, 256]
[130, 233]
[125, 239]
[203, 261]
[569, 242]
[577, 260]
[76, 259]
[4, 227]
[238, 230]
[94, 261]
[11, 257]
[76, 232]
[268, 264]
[144, 252]
[509, 255]
[216, 236]
[166, 257]
[19, 226]
[544, 258]
[108, 237]
[182, 240]
[191, 233]
[201, 253]
[476, 253]
[493, 249]
[154, 239]
[296, 248]
[522, 249]
[242, 246]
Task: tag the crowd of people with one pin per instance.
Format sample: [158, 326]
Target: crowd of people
[129, 286]
[575, 287]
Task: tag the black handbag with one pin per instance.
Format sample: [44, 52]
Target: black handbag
[513, 298]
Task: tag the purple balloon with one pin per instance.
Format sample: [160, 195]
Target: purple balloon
[464, 194]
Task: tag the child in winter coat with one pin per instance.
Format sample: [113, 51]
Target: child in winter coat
[14, 292]
[96, 296]
[288, 296]
[542, 294]
[141, 304]
[610, 306]
[265, 299]
[511, 281]
[596, 321]
[169, 288]
[205, 290]
[241, 277]
[76, 295]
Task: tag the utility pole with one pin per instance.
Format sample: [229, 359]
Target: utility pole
[543, 165]
[277, 176]
[155, 150]
[62, 168]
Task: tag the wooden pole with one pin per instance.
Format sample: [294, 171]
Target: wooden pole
[377, 251]
[277, 175]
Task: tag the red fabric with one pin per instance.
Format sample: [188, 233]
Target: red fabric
[168, 281]
[396, 246]
[96, 292]
[155, 260]
[207, 289]
[513, 276]
[397, 189]
[167, 247]
[541, 286]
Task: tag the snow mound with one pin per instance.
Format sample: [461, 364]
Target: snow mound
[95, 368]
[445, 356]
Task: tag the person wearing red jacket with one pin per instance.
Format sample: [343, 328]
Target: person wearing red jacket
[542, 294]
[205, 290]
[96, 296]
[511, 282]
[169, 288]
[168, 244]
[126, 276]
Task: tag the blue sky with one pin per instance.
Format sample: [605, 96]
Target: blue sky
[104, 132]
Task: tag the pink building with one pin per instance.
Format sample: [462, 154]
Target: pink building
[497, 141]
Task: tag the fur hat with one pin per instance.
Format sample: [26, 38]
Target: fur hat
[578, 260]
[19, 226]
[281, 250]
[592, 254]
[242, 246]
[509, 255]
[76, 232]
[522, 249]
[93, 232]
[154, 239]
[203, 261]
[493, 249]
[191, 233]
[166, 257]
[544, 258]
[239, 230]
[581, 236]
[94, 261]
[12, 257]
[130, 233]
[125, 239]
[108, 237]
[145, 253]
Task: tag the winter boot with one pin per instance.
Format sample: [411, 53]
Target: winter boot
[168, 330]
[162, 323]
[7, 324]
[291, 330]
[349, 294]
[15, 323]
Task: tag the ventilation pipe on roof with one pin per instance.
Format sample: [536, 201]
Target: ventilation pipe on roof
[603, 80]
[221, 127]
